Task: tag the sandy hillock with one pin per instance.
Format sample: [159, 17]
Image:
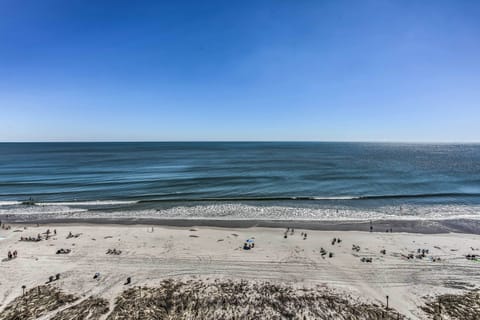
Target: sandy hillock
[454, 306]
[195, 299]
[35, 303]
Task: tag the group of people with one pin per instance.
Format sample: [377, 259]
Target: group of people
[63, 251]
[323, 252]
[12, 254]
[54, 278]
[386, 230]
[5, 226]
[248, 245]
[71, 235]
[421, 253]
[48, 233]
[366, 259]
[336, 240]
[114, 251]
[292, 231]
[38, 238]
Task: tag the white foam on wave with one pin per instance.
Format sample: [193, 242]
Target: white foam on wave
[87, 203]
[336, 198]
[41, 210]
[9, 203]
[250, 212]
[70, 203]
[241, 211]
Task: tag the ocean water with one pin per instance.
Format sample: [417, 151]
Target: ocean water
[241, 180]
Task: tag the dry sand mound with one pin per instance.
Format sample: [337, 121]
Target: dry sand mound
[225, 299]
[175, 299]
[454, 306]
[35, 303]
[89, 309]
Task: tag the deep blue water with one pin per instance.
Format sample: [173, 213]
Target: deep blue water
[358, 177]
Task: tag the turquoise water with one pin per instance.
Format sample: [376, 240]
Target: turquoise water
[242, 179]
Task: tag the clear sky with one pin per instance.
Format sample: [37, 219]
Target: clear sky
[336, 70]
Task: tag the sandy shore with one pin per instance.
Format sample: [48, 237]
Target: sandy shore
[150, 256]
[457, 225]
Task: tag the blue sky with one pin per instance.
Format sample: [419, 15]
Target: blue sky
[240, 70]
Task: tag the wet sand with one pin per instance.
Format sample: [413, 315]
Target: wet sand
[424, 226]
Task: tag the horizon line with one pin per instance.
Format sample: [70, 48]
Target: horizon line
[242, 141]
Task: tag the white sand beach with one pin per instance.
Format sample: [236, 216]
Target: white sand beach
[151, 254]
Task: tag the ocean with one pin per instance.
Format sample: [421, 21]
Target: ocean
[241, 180]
